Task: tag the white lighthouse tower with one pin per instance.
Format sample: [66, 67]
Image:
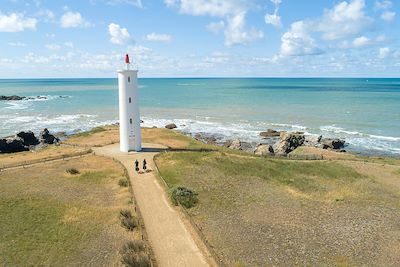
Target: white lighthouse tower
[129, 114]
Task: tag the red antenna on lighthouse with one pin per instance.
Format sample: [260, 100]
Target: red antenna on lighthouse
[127, 61]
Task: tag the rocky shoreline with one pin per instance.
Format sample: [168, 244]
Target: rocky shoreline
[274, 142]
[19, 98]
[26, 141]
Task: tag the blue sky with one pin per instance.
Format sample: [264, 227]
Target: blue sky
[200, 38]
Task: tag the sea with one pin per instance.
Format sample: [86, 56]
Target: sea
[365, 112]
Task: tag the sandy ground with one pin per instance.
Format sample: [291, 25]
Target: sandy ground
[169, 236]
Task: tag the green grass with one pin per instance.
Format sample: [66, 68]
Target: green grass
[88, 133]
[93, 177]
[304, 176]
[33, 232]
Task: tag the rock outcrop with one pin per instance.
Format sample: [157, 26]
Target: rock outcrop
[28, 138]
[46, 138]
[270, 133]
[312, 140]
[12, 145]
[264, 150]
[171, 126]
[332, 143]
[235, 144]
[13, 97]
[288, 142]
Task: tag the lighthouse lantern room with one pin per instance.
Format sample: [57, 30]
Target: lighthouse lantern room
[129, 114]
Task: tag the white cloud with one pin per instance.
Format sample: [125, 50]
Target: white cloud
[16, 22]
[73, 20]
[118, 35]
[298, 41]
[233, 15]
[156, 37]
[69, 44]
[17, 44]
[236, 32]
[136, 3]
[274, 19]
[344, 20]
[361, 41]
[385, 4]
[216, 27]
[384, 52]
[388, 16]
[53, 47]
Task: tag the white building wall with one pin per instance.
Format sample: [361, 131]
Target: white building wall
[129, 114]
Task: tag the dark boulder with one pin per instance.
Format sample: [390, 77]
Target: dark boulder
[171, 126]
[12, 145]
[333, 143]
[47, 138]
[29, 138]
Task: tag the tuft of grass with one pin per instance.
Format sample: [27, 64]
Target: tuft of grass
[123, 182]
[72, 171]
[94, 177]
[128, 221]
[134, 255]
[184, 196]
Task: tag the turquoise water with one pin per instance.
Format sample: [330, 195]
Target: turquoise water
[365, 112]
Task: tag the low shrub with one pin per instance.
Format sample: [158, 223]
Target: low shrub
[128, 221]
[123, 183]
[134, 255]
[72, 171]
[184, 196]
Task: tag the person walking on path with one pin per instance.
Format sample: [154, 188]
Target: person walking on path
[137, 165]
[144, 165]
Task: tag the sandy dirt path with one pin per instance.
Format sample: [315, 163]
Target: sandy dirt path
[169, 236]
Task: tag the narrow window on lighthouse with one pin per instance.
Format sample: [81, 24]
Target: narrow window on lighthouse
[130, 121]
[130, 100]
[129, 79]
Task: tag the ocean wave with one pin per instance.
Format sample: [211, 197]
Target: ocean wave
[336, 129]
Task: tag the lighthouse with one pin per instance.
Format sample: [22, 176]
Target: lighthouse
[129, 113]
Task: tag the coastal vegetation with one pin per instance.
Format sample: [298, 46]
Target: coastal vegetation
[50, 216]
[273, 211]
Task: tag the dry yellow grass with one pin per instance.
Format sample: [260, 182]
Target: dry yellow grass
[7, 160]
[51, 218]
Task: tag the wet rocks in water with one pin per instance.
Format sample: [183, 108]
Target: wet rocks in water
[207, 139]
[264, 150]
[28, 138]
[333, 143]
[47, 138]
[270, 133]
[12, 145]
[171, 126]
[289, 142]
[12, 98]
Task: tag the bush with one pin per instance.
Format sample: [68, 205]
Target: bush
[184, 196]
[72, 171]
[123, 183]
[128, 220]
[133, 254]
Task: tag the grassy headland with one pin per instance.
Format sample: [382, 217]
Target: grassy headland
[278, 212]
[52, 218]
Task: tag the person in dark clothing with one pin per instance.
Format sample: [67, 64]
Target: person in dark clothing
[144, 165]
[137, 165]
